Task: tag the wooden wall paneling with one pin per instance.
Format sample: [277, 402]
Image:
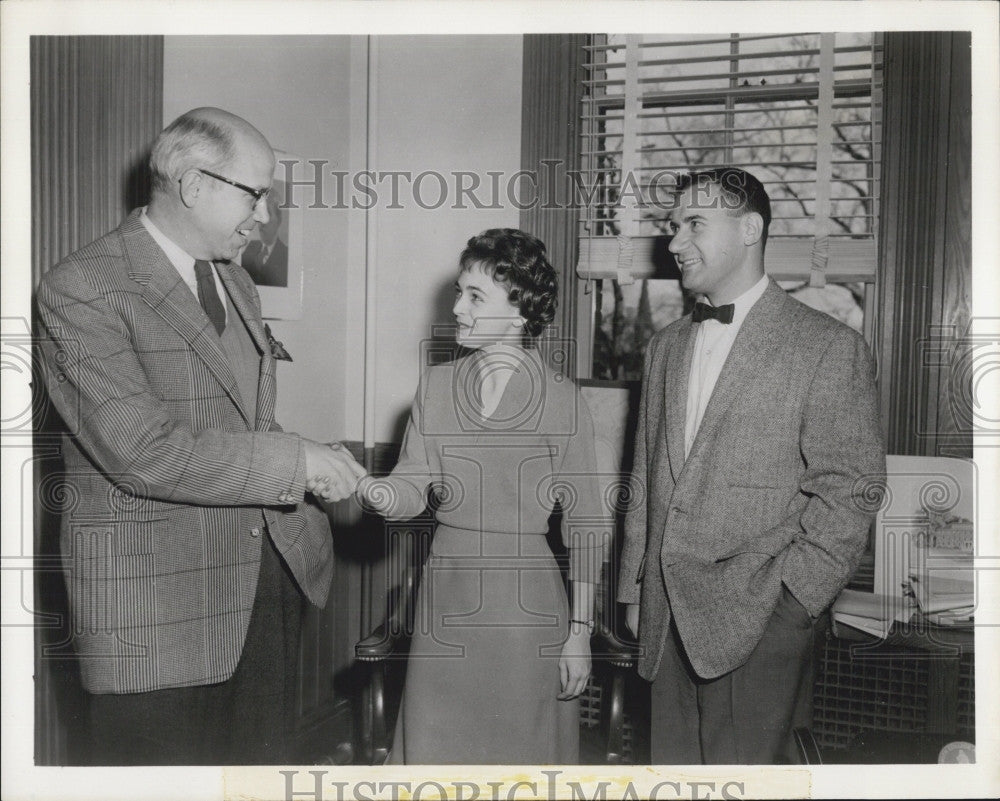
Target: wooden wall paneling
[893, 293]
[954, 420]
[924, 279]
[331, 681]
[327, 687]
[96, 106]
[550, 147]
[935, 80]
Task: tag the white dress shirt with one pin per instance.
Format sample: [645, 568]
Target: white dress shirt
[712, 343]
[183, 262]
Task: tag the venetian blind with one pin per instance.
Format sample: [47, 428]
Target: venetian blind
[799, 111]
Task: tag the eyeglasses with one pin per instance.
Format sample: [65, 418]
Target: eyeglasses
[257, 194]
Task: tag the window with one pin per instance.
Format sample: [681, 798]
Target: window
[799, 111]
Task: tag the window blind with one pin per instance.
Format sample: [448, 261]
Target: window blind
[799, 111]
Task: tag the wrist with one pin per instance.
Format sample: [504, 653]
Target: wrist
[360, 489]
[372, 495]
[578, 626]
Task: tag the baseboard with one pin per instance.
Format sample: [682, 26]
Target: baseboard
[326, 737]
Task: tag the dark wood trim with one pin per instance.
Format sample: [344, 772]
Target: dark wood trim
[379, 459]
[924, 286]
[550, 147]
[96, 107]
[325, 737]
[632, 384]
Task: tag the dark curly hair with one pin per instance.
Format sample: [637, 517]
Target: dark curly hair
[517, 261]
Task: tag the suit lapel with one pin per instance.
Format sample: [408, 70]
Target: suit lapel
[675, 382]
[243, 306]
[165, 292]
[266, 380]
[751, 351]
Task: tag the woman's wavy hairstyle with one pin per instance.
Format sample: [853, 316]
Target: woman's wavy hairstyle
[517, 261]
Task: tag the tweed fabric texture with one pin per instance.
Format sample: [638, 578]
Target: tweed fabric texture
[168, 471]
[771, 493]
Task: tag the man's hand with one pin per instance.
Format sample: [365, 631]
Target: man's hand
[632, 619]
[331, 471]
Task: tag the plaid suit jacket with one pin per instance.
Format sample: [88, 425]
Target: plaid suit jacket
[169, 485]
[776, 489]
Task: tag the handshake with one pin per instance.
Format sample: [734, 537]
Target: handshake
[332, 473]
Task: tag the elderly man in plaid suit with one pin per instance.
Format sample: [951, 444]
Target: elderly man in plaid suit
[195, 528]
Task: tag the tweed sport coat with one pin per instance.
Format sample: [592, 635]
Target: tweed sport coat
[776, 489]
[169, 484]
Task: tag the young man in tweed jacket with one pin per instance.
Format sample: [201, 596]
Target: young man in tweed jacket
[758, 435]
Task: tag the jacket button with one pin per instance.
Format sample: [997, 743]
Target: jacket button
[255, 532]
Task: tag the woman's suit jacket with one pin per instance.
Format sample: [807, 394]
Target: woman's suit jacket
[777, 488]
[170, 484]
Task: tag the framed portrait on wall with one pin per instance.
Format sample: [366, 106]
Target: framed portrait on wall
[273, 257]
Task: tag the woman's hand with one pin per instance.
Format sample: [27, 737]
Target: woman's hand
[374, 495]
[574, 663]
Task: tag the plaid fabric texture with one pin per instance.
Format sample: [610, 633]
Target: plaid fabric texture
[170, 483]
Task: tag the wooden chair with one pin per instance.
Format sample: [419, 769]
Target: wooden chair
[386, 647]
[615, 652]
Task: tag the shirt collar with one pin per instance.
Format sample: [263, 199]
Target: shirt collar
[182, 261]
[743, 303]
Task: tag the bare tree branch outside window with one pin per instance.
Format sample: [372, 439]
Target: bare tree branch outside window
[741, 100]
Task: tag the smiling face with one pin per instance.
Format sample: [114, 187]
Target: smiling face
[483, 312]
[224, 216]
[717, 250]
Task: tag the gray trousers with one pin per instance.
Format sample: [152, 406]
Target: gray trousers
[246, 720]
[746, 716]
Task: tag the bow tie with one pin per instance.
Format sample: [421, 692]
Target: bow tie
[702, 312]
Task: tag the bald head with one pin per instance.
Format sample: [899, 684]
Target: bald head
[210, 172]
[206, 137]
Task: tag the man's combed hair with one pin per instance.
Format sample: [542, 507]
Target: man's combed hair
[517, 261]
[741, 192]
[188, 142]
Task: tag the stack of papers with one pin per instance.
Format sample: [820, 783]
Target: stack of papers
[943, 586]
[871, 613]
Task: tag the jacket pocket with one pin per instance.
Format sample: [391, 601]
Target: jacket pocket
[118, 538]
[750, 519]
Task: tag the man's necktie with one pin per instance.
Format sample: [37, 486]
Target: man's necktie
[208, 295]
[702, 312]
